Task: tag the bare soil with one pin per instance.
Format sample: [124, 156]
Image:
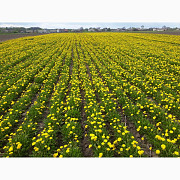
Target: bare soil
[168, 32]
[157, 32]
[5, 37]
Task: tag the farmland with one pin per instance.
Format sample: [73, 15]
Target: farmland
[90, 95]
[9, 36]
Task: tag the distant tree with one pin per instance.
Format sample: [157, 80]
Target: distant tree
[150, 29]
[134, 29]
[164, 27]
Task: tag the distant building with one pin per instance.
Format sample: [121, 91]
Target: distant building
[62, 30]
[98, 29]
[77, 30]
[119, 29]
[158, 29]
[29, 31]
[42, 31]
[92, 30]
[66, 30]
[104, 29]
[53, 30]
[113, 30]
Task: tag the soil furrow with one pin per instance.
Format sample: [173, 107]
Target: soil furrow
[86, 151]
[98, 99]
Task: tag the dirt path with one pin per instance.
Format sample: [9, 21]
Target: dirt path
[5, 37]
[168, 32]
[155, 32]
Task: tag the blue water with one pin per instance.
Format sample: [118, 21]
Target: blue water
[75, 25]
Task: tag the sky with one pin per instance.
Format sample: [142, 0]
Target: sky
[90, 11]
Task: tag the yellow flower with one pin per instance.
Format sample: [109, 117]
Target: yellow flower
[170, 116]
[100, 155]
[36, 149]
[33, 143]
[100, 130]
[19, 146]
[67, 151]
[140, 152]
[157, 151]
[163, 146]
[55, 154]
[61, 156]
[11, 149]
[176, 153]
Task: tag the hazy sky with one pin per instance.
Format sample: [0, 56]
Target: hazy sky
[89, 11]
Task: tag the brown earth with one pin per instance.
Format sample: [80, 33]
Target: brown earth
[5, 37]
[168, 32]
[155, 32]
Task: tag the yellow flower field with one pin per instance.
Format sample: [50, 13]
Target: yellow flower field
[90, 95]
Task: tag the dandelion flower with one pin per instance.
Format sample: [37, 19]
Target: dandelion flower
[100, 155]
[157, 151]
